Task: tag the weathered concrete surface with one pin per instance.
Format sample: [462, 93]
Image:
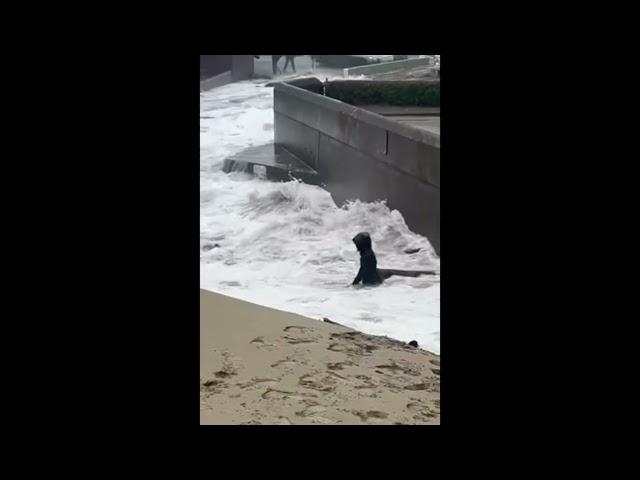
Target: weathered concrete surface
[361, 154]
[241, 67]
[429, 123]
[212, 65]
[300, 139]
[216, 81]
[279, 163]
[386, 110]
[416, 73]
[386, 67]
[324, 113]
[427, 118]
[218, 70]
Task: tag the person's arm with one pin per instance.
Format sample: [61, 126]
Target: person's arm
[358, 277]
[361, 272]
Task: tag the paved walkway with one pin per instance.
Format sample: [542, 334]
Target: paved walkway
[429, 123]
[426, 118]
[263, 68]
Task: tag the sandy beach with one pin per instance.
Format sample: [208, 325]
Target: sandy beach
[260, 366]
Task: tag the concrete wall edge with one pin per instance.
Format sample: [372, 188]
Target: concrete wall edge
[358, 113]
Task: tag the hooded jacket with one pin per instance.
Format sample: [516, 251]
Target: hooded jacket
[368, 273]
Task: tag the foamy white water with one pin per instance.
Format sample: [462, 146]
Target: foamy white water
[288, 246]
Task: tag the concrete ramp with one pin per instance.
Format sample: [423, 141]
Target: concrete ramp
[280, 164]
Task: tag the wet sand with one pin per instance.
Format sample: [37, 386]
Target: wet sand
[260, 366]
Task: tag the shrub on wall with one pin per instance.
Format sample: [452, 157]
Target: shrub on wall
[400, 93]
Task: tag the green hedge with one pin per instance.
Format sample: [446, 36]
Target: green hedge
[401, 93]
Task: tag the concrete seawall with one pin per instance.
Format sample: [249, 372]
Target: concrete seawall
[386, 67]
[218, 70]
[362, 155]
[216, 81]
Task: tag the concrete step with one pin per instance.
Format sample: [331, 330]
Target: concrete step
[280, 164]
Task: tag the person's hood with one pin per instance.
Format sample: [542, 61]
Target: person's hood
[362, 241]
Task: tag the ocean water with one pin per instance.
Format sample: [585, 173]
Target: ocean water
[288, 245]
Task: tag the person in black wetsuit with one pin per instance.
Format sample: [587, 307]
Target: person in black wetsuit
[369, 273]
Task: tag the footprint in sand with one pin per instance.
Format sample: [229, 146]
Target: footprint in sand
[417, 386]
[261, 343]
[288, 363]
[228, 370]
[362, 384]
[297, 329]
[273, 394]
[371, 416]
[314, 414]
[337, 375]
[211, 386]
[351, 348]
[353, 343]
[397, 367]
[340, 365]
[366, 382]
[421, 420]
[265, 381]
[299, 334]
[295, 341]
[259, 382]
[396, 376]
[429, 386]
[392, 386]
[283, 421]
[421, 409]
[318, 382]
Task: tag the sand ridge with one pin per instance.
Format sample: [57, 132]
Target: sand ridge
[260, 366]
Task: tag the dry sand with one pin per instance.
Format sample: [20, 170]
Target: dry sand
[264, 366]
